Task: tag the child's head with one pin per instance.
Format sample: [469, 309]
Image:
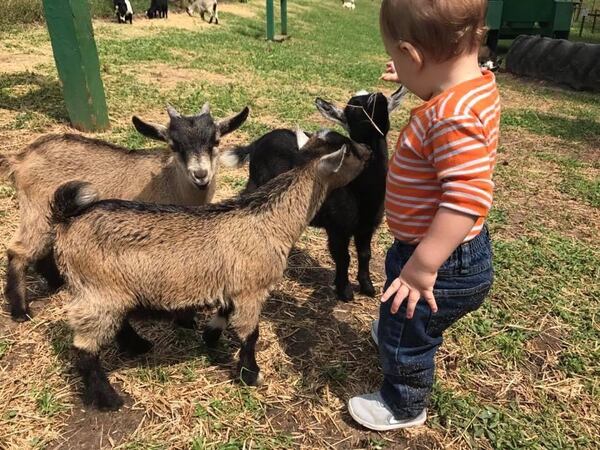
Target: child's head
[417, 33]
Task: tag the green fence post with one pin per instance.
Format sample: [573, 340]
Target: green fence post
[284, 17]
[70, 28]
[270, 20]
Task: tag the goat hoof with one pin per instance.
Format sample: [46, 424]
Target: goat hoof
[366, 288]
[251, 378]
[105, 398]
[211, 336]
[19, 315]
[345, 294]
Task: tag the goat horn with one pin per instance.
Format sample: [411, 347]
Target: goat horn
[205, 109]
[301, 137]
[173, 114]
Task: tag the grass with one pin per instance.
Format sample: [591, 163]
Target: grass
[522, 372]
[4, 346]
[47, 402]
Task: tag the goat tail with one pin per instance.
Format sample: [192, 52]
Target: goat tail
[6, 167]
[72, 199]
[237, 156]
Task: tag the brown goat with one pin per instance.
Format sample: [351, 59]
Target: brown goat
[186, 176]
[120, 257]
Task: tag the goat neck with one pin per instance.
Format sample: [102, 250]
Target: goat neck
[290, 209]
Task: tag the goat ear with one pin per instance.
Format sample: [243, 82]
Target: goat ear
[396, 99]
[232, 123]
[205, 109]
[301, 137]
[331, 112]
[149, 129]
[332, 163]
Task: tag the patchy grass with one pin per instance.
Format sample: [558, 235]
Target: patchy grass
[522, 372]
[47, 402]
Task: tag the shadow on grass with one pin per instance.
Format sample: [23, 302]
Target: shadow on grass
[319, 338]
[29, 91]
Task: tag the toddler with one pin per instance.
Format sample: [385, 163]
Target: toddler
[439, 191]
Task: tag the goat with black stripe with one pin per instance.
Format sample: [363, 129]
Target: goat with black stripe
[123, 10]
[355, 210]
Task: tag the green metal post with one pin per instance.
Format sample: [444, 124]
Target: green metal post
[284, 17]
[270, 20]
[70, 27]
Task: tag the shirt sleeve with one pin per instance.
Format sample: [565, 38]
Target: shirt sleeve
[458, 149]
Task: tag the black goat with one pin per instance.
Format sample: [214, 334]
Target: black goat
[124, 11]
[159, 9]
[355, 210]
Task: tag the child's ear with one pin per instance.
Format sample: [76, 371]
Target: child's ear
[412, 52]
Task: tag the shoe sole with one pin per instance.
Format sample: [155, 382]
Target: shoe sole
[398, 426]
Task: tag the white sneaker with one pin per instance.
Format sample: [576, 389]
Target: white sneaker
[371, 412]
[374, 329]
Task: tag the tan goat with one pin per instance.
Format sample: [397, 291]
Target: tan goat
[185, 176]
[120, 257]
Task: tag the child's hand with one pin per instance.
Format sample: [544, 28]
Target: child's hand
[414, 283]
[390, 73]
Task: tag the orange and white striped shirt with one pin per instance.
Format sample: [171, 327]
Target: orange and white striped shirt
[445, 157]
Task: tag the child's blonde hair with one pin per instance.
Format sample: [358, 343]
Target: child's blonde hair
[442, 29]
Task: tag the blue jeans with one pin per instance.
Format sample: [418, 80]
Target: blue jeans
[407, 347]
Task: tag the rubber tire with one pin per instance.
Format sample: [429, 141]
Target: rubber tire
[574, 64]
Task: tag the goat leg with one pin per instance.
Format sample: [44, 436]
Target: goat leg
[338, 247]
[244, 320]
[16, 286]
[97, 389]
[215, 327]
[363, 250]
[130, 342]
[46, 267]
[249, 370]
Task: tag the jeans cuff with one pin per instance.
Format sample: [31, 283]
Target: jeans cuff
[398, 406]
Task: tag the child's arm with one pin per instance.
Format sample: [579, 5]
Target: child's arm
[447, 231]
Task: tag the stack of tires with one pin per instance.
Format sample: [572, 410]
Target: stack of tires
[575, 64]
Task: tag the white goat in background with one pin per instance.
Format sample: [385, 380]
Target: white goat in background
[203, 7]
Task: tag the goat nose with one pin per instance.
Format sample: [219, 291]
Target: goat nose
[200, 174]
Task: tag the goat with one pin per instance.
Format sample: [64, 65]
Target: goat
[124, 11]
[158, 9]
[353, 211]
[203, 7]
[184, 177]
[121, 256]
[349, 4]
[488, 59]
